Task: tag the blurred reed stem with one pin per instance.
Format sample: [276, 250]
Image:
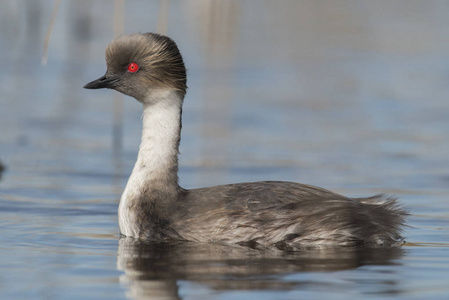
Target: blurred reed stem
[48, 33]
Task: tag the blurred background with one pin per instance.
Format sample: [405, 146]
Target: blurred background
[348, 95]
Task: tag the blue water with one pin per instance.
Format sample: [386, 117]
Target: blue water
[350, 96]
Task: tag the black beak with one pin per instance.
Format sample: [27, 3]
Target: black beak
[107, 81]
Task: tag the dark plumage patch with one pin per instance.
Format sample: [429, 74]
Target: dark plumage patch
[290, 216]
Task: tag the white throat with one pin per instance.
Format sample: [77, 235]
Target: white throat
[155, 172]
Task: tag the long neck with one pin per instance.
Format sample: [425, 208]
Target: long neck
[155, 173]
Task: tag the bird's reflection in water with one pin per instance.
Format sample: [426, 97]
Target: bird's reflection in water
[151, 271]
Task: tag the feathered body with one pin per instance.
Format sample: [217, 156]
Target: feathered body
[259, 214]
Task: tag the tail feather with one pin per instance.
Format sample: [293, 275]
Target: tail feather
[381, 220]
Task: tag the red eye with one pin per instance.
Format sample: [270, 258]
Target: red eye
[133, 67]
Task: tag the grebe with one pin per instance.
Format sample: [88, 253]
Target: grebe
[286, 215]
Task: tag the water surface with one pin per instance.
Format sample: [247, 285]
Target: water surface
[351, 97]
